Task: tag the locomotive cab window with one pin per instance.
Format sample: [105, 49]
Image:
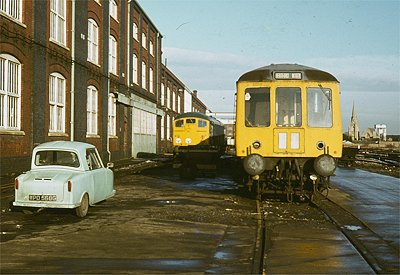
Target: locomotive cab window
[257, 107]
[201, 123]
[191, 120]
[288, 107]
[179, 123]
[319, 107]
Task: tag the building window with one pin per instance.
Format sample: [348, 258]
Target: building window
[162, 97]
[135, 69]
[173, 101]
[151, 75]
[92, 96]
[112, 115]
[144, 40]
[162, 128]
[179, 103]
[144, 84]
[93, 41]
[58, 27]
[10, 93]
[151, 48]
[57, 103]
[168, 98]
[168, 127]
[12, 8]
[135, 31]
[113, 9]
[112, 55]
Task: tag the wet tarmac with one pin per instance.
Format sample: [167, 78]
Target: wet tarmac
[158, 224]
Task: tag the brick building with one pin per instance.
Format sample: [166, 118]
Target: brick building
[87, 70]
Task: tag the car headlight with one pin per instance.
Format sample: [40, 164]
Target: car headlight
[325, 165]
[254, 164]
[178, 141]
[188, 140]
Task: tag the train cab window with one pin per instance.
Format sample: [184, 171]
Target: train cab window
[201, 123]
[319, 107]
[191, 120]
[288, 107]
[257, 107]
[179, 123]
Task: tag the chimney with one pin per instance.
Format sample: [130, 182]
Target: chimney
[194, 93]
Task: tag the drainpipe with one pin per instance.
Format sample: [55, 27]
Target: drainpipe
[72, 133]
[108, 90]
[128, 73]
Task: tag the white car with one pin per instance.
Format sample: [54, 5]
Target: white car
[65, 174]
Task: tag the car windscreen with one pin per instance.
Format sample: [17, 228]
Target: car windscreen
[52, 157]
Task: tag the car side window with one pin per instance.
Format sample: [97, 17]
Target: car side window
[92, 159]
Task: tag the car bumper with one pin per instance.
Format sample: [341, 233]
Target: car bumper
[45, 204]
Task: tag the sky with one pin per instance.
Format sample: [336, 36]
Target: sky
[209, 44]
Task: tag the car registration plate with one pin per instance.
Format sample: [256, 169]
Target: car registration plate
[42, 197]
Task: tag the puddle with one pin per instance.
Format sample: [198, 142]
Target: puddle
[164, 265]
[352, 227]
[220, 255]
[174, 202]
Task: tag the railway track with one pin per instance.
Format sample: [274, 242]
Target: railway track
[381, 255]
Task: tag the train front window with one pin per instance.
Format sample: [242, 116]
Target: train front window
[257, 107]
[179, 123]
[319, 107]
[201, 123]
[288, 107]
[191, 120]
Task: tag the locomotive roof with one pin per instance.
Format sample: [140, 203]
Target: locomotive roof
[199, 115]
[267, 73]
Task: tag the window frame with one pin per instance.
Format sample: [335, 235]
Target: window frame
[10, 121]
[328, 115]
[112, 115]
[92, 110]
[57, 107]
[297, 110]
[58, 21]
[113, 55]
[15, 14]
[144, 75]
[135, 67]
[114, 9]
[250, 113]
[93, 41]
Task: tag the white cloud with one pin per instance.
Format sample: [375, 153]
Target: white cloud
[371, 82]
[363, 73]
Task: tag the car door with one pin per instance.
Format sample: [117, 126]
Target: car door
[98, 174]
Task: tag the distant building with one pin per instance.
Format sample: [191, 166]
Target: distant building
[354, 129]
[380, 129]
[370, 133]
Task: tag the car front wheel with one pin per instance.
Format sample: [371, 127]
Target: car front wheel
[82, 210]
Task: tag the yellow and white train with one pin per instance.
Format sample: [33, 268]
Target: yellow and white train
[199, 140]
[288, 129]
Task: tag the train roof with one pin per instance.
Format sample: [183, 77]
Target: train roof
[287, 72]
[199, 115]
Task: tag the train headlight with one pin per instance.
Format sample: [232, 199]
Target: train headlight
[254, 164]
[178, 141]
[188, 140]
[256, 144]
[325, 165]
